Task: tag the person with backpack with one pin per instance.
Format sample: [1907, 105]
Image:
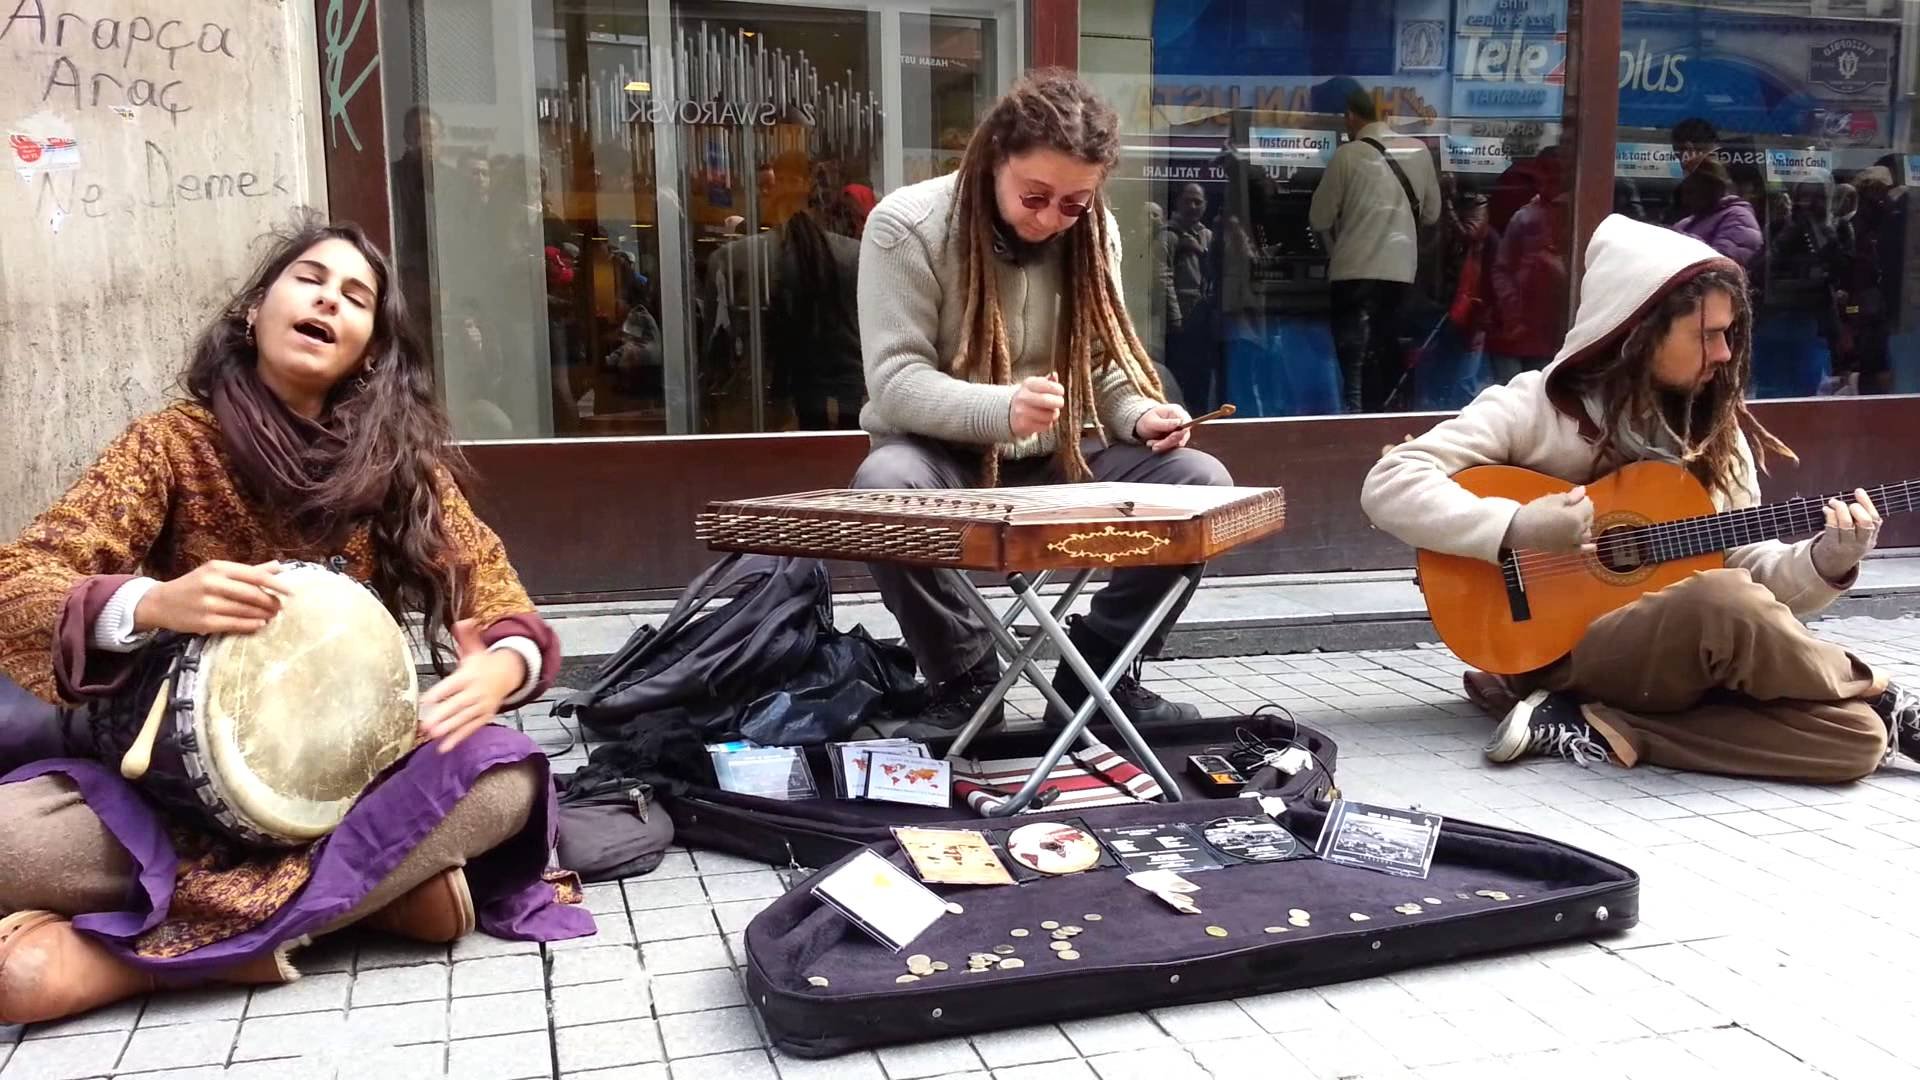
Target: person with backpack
[1378, 191]
[998, 351]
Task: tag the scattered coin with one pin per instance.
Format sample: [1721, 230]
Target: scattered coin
[909, 978]
[1060, 935]
[1493, 894]
[817, 980]
[1434, 900]
[1062, 946]
[1076, 931]
[1021, 932]
[1300, 922]
[1216, 931]
[1092, 918]
[1003, 950]
[1357, 917]
[919, 960]
[956, 909]
[941, 965]
[1276, 929]
[1409, 909]
[1070, 954]
[1461, 896]
[1049, 925]
[1015, 962]
[1298, 914]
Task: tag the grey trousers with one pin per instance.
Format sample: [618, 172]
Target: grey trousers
[944, 635]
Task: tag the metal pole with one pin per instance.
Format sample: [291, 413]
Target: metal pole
[1020, 658]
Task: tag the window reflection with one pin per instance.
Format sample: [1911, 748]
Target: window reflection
[650, 225]
[1297, 268]
[1776, 135]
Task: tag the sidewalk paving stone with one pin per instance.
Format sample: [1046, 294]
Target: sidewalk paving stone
[1773, 939]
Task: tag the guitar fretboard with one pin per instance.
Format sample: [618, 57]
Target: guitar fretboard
[1713, 533]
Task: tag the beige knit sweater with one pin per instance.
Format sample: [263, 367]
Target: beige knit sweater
[912, 301]
[1410, 491]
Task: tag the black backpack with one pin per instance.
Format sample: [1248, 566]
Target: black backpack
[767, 663]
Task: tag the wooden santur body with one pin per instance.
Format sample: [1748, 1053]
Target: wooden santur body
[1053, 527]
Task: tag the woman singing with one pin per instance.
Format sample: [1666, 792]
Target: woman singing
[309, 431]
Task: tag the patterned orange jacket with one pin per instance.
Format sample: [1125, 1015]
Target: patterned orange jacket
[160, 501]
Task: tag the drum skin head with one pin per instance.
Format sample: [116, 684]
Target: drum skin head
[298, 718]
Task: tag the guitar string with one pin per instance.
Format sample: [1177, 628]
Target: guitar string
[1678, 534]
[1540, 566]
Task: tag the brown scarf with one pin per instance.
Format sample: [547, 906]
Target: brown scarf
[290, 463]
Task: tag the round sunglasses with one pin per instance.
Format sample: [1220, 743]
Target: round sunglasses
[1036, 201]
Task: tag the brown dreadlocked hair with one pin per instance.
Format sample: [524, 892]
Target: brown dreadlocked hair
[1706, 424]
[1049, 108]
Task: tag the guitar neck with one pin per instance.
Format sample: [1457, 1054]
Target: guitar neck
[1712, 534]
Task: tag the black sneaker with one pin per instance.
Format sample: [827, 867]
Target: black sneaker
[1900, 708]
[1141, 705]
[954, 702]
[1546, 723]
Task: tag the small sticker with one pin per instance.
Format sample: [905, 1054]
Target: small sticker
[127, 112]
[50, 154]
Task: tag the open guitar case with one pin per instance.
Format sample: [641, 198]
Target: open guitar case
[825, 987]
[819, 831]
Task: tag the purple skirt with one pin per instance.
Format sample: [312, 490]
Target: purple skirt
[510, 897]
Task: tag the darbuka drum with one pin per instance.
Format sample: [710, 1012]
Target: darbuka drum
[270, 737]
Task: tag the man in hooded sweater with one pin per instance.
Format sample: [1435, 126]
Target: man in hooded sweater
[1715, 673]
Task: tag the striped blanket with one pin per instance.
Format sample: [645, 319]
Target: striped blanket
[1086, 777]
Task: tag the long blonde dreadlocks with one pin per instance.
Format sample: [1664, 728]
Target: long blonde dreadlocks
[1049, 108]
[1707, 426]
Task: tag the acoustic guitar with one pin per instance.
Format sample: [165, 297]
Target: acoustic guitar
[1653, 525]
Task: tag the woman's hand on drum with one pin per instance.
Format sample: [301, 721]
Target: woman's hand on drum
[469, 698]
[214, 598]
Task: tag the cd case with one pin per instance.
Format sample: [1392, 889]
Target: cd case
[1024, 870]
[849, 761]
[881, 899]
[770, 772]
[1377, 838]
[952, 856]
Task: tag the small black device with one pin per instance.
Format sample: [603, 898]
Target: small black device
[1216, 772]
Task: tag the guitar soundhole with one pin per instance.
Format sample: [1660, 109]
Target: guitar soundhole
[1620, 550]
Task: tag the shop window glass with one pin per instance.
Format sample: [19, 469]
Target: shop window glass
[1782, 134]
[645, 219]
[1274, 260]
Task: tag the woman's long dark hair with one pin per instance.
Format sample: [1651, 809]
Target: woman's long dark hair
[379, 454]
[1708, 425]
[1047, 108]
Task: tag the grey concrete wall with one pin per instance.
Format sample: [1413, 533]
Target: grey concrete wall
[148, 145]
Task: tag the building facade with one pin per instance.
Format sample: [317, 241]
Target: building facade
[631, 227]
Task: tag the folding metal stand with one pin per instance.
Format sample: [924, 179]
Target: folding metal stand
[1021, 662]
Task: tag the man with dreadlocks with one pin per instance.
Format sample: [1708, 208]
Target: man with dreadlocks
[1715, 673]
[998, 352]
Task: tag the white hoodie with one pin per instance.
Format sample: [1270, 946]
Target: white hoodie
[1409, 493]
